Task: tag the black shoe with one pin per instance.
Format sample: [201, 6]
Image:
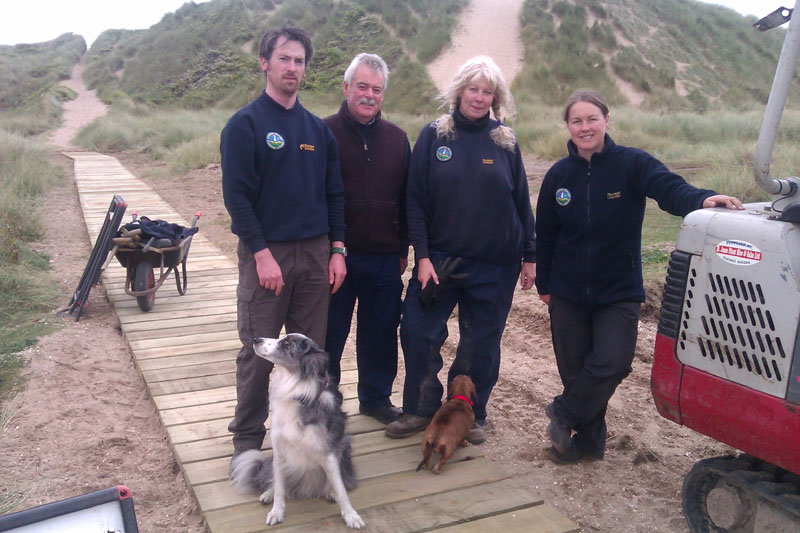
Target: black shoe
[385, 414]
[560, 434]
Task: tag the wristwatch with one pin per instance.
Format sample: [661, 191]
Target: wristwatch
[339, 250]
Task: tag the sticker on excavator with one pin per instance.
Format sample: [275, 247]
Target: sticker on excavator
[739, 253]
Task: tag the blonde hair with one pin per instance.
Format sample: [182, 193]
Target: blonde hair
[474, 69]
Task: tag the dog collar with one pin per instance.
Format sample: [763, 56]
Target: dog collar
[459, 397]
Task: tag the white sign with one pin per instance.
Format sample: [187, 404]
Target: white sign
[738, 253]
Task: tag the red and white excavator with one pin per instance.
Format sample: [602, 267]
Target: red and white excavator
[727, 352]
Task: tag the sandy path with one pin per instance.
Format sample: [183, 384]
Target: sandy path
[485, 27]
[78, 112]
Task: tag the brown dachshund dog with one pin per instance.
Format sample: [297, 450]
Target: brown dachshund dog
[450, 424]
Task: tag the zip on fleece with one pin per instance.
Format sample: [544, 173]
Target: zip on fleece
[588, 229]
[366, 193]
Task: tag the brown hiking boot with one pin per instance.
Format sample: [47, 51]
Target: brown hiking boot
[476, 434]
[407, 425]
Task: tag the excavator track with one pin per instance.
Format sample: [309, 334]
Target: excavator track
[741, 494]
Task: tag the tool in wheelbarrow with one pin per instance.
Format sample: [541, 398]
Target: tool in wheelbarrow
[97, 259]
[142, 245]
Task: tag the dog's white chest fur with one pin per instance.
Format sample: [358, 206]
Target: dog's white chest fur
[295, 437]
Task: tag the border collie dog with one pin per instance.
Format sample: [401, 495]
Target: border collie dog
[310, 449]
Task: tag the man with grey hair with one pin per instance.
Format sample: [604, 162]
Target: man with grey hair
[374, 156]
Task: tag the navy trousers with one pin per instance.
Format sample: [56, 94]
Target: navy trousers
[373, 280]
[484, 300]
[594, 350]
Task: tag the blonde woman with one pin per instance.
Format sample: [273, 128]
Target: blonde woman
[471, 225]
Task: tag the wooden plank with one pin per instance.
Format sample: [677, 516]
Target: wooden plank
[187, 360]
[177, 323]
[208, 429]
[167, 294]
[188, 399]
[201, 283]
[161, 316]
[366, 465]
[202, 347]
[232, 513]
[163, 342]
[209, 369]
[198, 413]
[192, 371]
[183, 398]
[427, 512]
[204, 450]
[194, 384]
[124, 311]
[540, 519]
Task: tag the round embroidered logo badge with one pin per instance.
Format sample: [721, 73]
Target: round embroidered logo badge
[275, 141]
[443, 153]
[563, 196]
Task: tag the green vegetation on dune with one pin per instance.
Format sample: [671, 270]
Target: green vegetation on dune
[202, 55]
[31, 95]
[675, 55]
[25, 285]
[29, 68]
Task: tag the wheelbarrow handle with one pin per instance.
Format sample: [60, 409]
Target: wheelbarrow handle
[131, 233]
[196, 218]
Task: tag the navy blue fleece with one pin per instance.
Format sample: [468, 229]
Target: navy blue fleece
[473, 205]
[285, 194]
[589, 244]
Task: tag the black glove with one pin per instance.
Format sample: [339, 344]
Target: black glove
[444, 271]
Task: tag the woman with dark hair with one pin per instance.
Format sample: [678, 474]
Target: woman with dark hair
[589, 271]
[472, 228]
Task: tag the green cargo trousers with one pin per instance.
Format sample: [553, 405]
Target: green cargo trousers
[302, 307]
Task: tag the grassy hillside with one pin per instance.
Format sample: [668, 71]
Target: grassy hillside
[26, 69]
[204, 54]
[672, 55]
[30, 94]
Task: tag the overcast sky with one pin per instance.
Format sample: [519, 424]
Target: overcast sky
[33, 21]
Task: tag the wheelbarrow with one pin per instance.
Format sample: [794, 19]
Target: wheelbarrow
[141, 253]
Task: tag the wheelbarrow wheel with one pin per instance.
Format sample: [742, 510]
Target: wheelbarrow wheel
[144, 279]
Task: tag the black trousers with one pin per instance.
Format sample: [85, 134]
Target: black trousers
[594, 350]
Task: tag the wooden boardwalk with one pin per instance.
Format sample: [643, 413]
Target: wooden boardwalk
[186, 348]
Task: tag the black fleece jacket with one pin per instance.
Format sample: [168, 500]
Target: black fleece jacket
[589, 222]
[280, 175]
[468, 197]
